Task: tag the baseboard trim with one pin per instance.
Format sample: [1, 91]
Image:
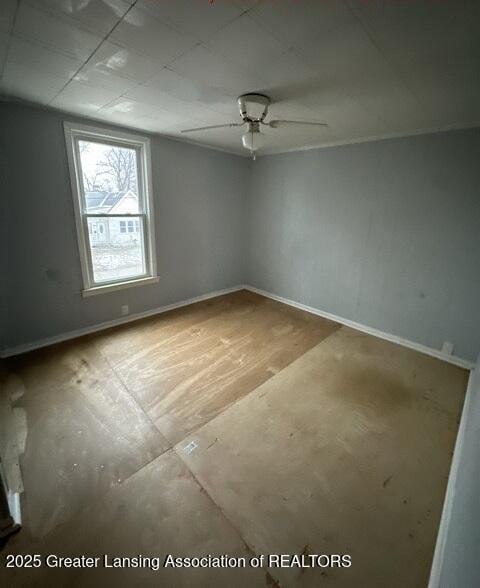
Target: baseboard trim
[453, 359]
[24, 348]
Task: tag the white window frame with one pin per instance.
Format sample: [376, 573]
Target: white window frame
[77, 132]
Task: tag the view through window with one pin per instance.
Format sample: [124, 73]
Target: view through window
[111, 185]
[113, 210]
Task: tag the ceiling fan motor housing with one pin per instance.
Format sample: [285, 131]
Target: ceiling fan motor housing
[253, 107]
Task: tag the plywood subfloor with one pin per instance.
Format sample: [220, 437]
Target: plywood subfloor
[347, 450]
[237, 425]
[185, 372]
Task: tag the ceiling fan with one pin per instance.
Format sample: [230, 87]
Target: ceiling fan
[253, 110]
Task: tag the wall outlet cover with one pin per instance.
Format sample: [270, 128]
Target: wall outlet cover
[447, 348]
[124, 309]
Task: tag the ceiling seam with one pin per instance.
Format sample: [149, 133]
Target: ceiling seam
[167, 65]
[95, 50]
[299, 54]
[10, 36]
[392, 68]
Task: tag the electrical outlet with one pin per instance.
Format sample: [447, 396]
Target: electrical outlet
[124, 310]
[447, 348]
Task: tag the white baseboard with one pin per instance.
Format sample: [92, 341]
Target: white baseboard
[18, 349]
[14, 505]
[469, 365]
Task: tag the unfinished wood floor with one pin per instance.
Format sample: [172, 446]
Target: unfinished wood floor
[239, 426]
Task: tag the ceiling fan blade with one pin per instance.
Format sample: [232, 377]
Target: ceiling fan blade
[213, 127]
[279, 123]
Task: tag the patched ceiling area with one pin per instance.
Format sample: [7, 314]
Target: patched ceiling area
[369, 68]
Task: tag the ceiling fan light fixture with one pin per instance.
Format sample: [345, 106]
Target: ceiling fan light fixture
[253, 140]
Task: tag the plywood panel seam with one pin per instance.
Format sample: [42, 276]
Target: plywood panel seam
[248, 394]
[248, 547]
[136, 401]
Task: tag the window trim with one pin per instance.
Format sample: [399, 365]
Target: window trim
[75, 132]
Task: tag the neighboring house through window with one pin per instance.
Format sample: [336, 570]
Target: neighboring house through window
[111, 184]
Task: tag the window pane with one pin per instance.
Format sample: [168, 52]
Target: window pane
[116, 254]
[110, 178]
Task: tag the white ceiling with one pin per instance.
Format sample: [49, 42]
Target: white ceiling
[369, 68]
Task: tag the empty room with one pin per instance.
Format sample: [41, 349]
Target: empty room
[240, 293]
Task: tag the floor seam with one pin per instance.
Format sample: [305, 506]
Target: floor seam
[138, 401]
[227, 519]
[149, 462]
[238, 400]
[96, 499]
[226, 408]
[135, 399]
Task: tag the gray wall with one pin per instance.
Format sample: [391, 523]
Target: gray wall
[199, 202]
[384, 233]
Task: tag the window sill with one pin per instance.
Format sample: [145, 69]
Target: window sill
[120, 286]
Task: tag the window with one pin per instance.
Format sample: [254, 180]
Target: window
[129, 226]
[110, 175]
